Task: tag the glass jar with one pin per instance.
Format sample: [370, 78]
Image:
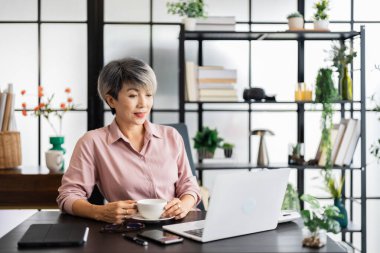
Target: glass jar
[316, 239]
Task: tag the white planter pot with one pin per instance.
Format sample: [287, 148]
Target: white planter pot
[321, 25]
[295, 23]
[189, 23]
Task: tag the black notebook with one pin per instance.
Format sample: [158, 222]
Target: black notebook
[54, 235]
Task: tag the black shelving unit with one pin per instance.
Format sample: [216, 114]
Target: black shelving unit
[300, 37]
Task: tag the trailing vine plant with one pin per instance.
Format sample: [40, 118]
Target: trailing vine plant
[326, 93]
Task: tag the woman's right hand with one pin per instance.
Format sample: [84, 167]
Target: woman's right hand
[116, 212]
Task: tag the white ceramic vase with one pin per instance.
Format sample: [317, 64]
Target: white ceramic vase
[322, 25]
[295, 23]
[189, 23]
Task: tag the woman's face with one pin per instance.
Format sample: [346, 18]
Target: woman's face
[133, 105]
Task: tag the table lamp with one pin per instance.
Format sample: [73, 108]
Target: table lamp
[262, 157]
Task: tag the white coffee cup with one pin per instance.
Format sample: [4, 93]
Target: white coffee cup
[151, 208]
[54, 160]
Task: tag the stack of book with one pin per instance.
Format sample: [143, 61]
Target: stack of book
[216, 83]
[216, 23]
[344, 139]
[7, 122]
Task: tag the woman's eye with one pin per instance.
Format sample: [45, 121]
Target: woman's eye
[149, 95]
[132, 96]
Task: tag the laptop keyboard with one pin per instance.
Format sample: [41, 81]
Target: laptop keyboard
[196, 232]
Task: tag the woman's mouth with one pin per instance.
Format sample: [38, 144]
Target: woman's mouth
[140, 114]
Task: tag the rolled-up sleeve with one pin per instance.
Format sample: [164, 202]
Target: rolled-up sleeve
[79, 179]
[187, 182]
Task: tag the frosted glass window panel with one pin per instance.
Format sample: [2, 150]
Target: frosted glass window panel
[191, 51]
[165, 55]
[126, 10]
[366, 10]
[315, 185]
[373, 221]
[74, 126]
[316, 57]
[19, 60]
[339, 10]
[272, 10]
[108, 118]
[274, 68]
[238, 8]
[122, 41]
[19, 10]
[64, 61]
[230, 55]
[284, 127]
[160, 12]
[28, 127]
[68, 10]
[372, 41]
[165, 118]
[373, 172]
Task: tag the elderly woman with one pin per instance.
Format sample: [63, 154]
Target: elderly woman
[130, 159]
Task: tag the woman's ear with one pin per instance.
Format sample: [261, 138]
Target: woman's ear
[110, 101]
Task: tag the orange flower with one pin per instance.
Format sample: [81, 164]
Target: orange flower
[40, 88]
[63, 105]
[23, 92]
[69, 100]
[24, 113]
[67, 90]
[23, 105]
[42, 105]
[36, 108]
[40, 94]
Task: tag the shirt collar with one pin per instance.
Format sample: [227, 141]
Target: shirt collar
[115, 134]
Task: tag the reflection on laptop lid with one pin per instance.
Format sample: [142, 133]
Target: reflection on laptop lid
[241, 203]
[54, 235]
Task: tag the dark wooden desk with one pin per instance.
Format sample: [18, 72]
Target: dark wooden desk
[28, 188]
[286, 238]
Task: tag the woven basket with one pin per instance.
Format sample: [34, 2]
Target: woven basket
[10, 150]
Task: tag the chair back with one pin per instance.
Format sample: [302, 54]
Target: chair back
[182, 129]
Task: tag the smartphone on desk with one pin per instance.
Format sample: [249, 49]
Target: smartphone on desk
[161, 236]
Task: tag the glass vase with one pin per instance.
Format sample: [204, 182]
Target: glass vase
[343, 220]
[346, 85]
[316, 239]
[57, 142]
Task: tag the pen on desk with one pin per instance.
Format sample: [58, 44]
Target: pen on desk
[135, 239]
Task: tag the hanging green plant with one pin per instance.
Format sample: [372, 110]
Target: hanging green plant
[326, 93]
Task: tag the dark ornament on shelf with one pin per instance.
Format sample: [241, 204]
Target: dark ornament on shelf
[257, 94]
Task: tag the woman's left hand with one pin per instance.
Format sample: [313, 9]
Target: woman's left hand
[179, 208]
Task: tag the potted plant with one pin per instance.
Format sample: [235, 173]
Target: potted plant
[318, 221]
[321, 21]
[341, 58]
[335, 189]
[189, 9]
[295, 21]
[296, 154]
[375, 147]
[206, 142]
[228, 148]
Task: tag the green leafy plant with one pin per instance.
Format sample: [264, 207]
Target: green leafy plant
[326, 93]
[227, 145]
[291, 200]
[335, 187]
[190, 8]
[207, 138]
[321, 7]
[295, 14]
[320, 217]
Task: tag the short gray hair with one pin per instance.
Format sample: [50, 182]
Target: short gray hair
[128, 71]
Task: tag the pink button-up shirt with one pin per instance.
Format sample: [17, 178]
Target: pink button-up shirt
[105, 157]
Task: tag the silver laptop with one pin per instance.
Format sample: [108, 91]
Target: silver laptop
[241, 203]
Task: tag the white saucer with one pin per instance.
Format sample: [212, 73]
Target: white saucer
[140, 218]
